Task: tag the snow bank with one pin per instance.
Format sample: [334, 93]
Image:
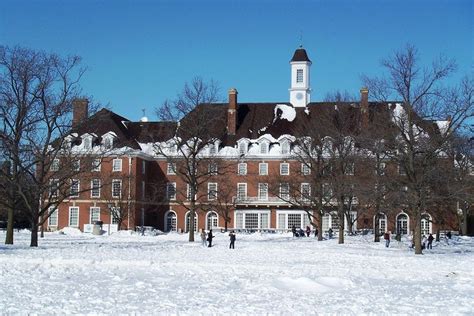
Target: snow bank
[71, 231]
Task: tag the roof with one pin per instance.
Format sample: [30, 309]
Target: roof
[300, 55]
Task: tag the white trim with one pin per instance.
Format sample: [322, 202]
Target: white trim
[56, 216]
[166, 220]
[246, 192]
[260, 197]
[384, 218]
[90, 213]
[207, 220]
[396, 222]
[430, 223]
[304, 221]
[287, 166]
[69, 216]
[168, 193]
[260, 165]
[76, 193]
[119, 166]
[214, 193]
[259, 218]
[196, 216]
[120, 192]
[92, 189]
[245, 169]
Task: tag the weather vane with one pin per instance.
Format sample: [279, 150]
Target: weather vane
[143, 110]
[301, 38]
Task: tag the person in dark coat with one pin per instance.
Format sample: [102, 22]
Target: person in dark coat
[232, 240]
[316, 232]
[209, 238]
[293, 229]
[386, 236]
[330, 233]
[308, 231]
[448, 234]
[430, 242]
[301, 232]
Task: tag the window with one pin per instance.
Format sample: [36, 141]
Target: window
[327, 191]
[243, 148]
[252, 219]
[285, 148]
[305, 169]
[143, 166]
[213, 149]
[96, 163]
[94, 215]
[188, 221]
[425, 224]
[117, 164]
[349, 169]
[211, 191]
[305, 192]
[171, 221]
[334, 222]
[74, 216]
[87, 143]
[95, 188]
[284, 168]
[116, 188]
[382, 223]
[55, 165]
[241, 191]
[299, 75]
[263, 168]
[402, 224]
[74, 188]
[288, 219]
[380, 169]
[242, 169]
[264, 148]
[76, 165]
[54, 187]
[213, 169]
[263, 191]
[284, 191]
[53, 217]
[171, 190]
[401, 170]
[171, 168]
[189, 192]
[212, 220]
[116, 213]
[143, 190]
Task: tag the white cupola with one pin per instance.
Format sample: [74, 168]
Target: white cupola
[300, 89]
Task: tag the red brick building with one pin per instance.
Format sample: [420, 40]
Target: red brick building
[256, 144]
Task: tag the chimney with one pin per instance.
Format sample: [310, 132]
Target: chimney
[364, 106]
[80, 111]
[232, 112]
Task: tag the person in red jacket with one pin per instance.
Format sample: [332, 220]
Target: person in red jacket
[386, 236]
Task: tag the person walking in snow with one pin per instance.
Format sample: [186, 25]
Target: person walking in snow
[386, 236]
[430, 242]
[209, 238]
[301, 232]
[330, 233]
[203, 238]
[316, 232]
[293, 230]
[232, 240]
[308, 231]
[423, 242]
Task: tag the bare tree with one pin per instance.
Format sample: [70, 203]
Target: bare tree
[36, 93]
[193, 151]
[223, 201]
[418, 144]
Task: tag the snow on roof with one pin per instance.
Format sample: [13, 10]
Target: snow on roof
[288, 112]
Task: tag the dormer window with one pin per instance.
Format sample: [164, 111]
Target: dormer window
[214, 148]
[264, 148]
[243, 148]
[285, 147]
[87, 143]
[108, 142]
[299, 75]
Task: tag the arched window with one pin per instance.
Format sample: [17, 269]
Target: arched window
[425, 224]
[188, 216]
[212, 221]
[402, 224]
[170, 220]
[381, 220]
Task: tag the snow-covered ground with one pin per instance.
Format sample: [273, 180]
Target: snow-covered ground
[265, 274]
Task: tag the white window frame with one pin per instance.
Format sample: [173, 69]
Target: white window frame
[243, 213]
[244, 196]
[282, 166]
[263, 191]
[263, 169]
[382, 168]
[114, 182]
[242, 169]
[304, 221]
[299, 75]
[382, 218]
[285, 147]
[93, 188]
[53, 217]
[186, 220]
[54, 187]
[96, 164]
[174, 223]
[407, 219]
[284, 196]
[171, 168]
[305, 193]
[212, 226]
[243, 148]
[424, 223]
[212, 193]
[75, 193]
[264, 147]
[55, 165]
[117, 164]
[171, 196]
[91, 212]
[76, 165]
[87, 142]
[71, 208]
[305, 169]
[213, 168]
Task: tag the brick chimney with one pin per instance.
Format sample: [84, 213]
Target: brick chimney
[80, 111]
[364, 106]
[232, 112]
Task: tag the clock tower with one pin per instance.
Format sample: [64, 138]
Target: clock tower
[300, 67]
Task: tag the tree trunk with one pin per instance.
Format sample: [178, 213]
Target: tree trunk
[417, 234]
[191, 222]
[320, 226]
[464, 222]
[376, 229]
[9, 236]
[34, 234]
[438, 233]
[225, 226]
[340, 215]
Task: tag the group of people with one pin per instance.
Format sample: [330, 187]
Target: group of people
[426, 242]
[207, 239]
[301, 233]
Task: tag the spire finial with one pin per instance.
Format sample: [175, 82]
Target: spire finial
[301, 39]
[143, 111]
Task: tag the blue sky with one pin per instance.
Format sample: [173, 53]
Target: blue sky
[138, 53]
